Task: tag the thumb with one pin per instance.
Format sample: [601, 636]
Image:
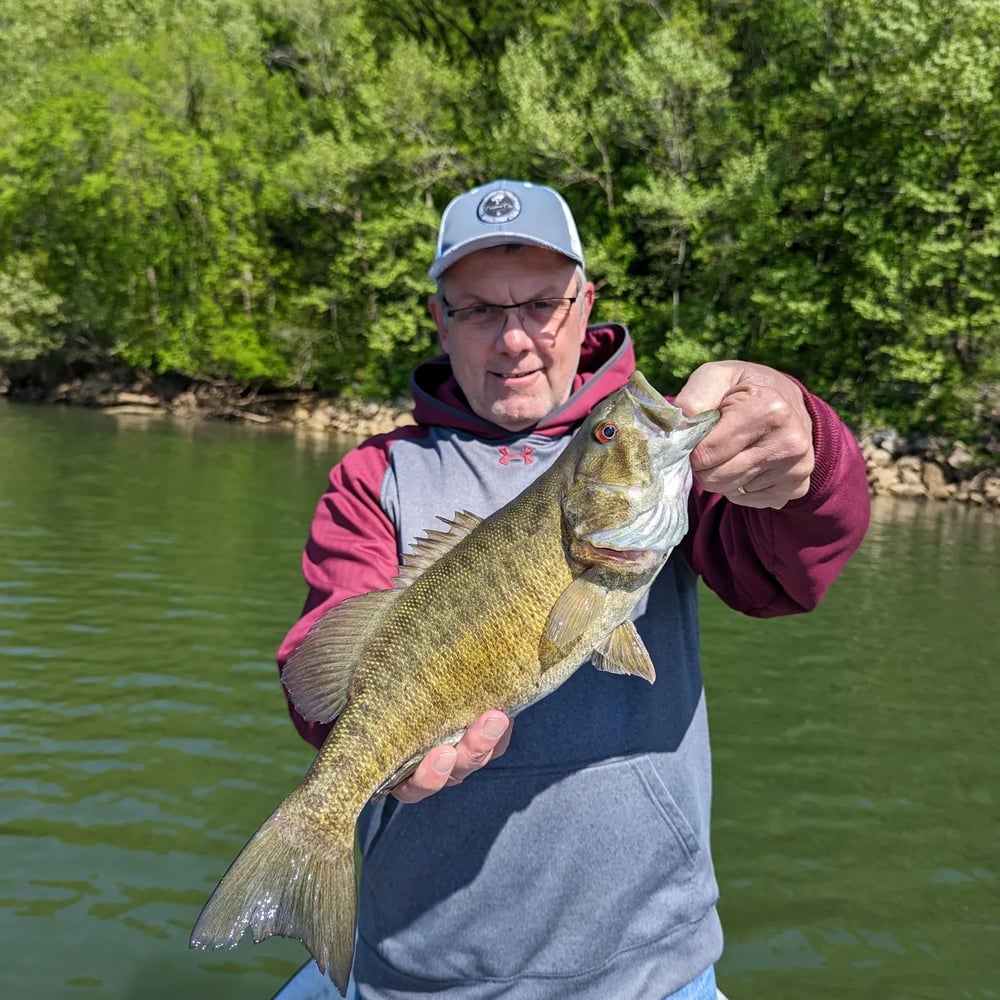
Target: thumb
[707, 386]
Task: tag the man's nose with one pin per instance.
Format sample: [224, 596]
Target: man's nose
[513, 336]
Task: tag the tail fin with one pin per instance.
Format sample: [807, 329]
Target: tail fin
[288, 881]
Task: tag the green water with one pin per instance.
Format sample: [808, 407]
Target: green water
[147, 572]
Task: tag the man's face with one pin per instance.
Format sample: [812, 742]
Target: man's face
[509, 375]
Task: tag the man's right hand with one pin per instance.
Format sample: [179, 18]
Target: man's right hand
[484, 740]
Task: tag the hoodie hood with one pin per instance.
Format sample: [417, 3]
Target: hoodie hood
[607, 358]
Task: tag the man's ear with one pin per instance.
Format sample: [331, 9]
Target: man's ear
[436, 309]
[587, 295]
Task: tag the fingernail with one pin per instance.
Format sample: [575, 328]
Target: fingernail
[444, 761]
[494, 727]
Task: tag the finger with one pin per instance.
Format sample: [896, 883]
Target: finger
[707, 387]
[763, 417]
[760, 427]
[431, 775]
[773, 487]
[486, 738]
[773, 497]
[777, 451]
[479, 745]
[501, 748]
[735, 434]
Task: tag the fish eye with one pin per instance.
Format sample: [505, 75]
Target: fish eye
[606, 432]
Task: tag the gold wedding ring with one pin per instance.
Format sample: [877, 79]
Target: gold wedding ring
[741, 490]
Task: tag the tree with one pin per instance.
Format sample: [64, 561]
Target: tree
[28, 312]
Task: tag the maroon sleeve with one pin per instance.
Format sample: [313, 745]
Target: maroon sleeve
[777, 562]
[351, 550]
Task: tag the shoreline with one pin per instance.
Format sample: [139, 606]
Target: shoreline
[913, 467]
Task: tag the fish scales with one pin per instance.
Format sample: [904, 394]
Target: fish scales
[447, 664]
[488, 615]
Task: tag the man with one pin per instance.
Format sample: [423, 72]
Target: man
[578, 866]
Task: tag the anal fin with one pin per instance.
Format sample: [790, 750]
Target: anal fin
[624, 652]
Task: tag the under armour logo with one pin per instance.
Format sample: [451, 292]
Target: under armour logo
[508, 455]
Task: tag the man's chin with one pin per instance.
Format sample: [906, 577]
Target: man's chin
[516, 418]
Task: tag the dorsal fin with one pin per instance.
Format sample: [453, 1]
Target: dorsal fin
[318, 674]
[426, 550]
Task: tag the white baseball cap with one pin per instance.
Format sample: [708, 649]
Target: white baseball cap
[505, 212]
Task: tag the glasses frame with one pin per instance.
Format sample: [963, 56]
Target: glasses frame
[453, 313]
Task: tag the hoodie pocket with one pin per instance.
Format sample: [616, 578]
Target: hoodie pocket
[533, 873]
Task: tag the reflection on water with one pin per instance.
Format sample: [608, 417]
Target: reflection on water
[856, 771]
[147, 572]
[146, 576]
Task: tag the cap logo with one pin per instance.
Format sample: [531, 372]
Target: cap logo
[499, 206]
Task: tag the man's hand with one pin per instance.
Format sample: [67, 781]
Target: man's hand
[760, 453]
[485, 739]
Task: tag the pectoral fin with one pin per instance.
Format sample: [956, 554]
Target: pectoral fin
[624, 652]
[575, 610]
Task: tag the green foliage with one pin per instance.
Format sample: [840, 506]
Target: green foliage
[27, 312]
[139, 178]
[875, 272]
[809, 185]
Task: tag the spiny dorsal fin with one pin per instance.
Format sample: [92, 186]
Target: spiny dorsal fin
[575, 610]
[318, 674]
[426, 550]
[624, 652]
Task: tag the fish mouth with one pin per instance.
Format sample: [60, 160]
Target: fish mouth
[638, 558]
[659, 415]
[657, 505]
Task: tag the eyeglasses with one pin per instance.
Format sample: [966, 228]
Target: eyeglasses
[538, 316]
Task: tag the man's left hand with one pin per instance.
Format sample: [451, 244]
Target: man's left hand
[485, 740]
[760, 453]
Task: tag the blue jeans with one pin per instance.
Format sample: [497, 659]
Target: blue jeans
[702, 988]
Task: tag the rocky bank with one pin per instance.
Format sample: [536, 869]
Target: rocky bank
[914, 467]
[921, 468]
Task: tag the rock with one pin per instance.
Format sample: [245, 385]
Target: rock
[910, 470]
[880, 479]
[991, 490]
[249, 417]
[184, 403]
[911, 491]
[136, 399]
[322, 417]
[935, 481]
[959, 457]
[889, 441]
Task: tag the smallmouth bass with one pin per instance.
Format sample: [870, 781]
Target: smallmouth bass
[487, 614]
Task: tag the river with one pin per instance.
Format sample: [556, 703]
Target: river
[148, 569]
